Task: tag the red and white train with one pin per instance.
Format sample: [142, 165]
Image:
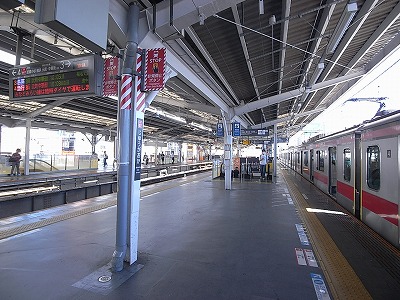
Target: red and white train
[360, 169]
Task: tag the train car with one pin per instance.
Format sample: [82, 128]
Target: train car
[360, 169]
[334, 169]
[380, 176]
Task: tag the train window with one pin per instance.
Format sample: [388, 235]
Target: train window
[305, 158]
[320, 160]
[347, 164]
[373, 168]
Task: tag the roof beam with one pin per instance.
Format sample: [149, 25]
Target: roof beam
[321, 29]
[189, 105]
[291, 94]
[383, 27]
[285, 119]
[43, 109]
[244, 49]
[359, 20]
[192, 34]
[284, 29]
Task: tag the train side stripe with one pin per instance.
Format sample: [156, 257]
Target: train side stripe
[381, 207]
[321, 177]
[345, 190]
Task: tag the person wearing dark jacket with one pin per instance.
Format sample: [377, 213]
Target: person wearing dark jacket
[15, 161]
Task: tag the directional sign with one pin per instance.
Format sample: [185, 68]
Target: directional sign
[220, 130]
[78, 75]
[236, 129]
[255, 132]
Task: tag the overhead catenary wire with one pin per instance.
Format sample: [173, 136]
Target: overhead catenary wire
[278, 40]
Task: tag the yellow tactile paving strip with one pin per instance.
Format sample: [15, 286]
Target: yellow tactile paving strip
[68, 214]
[341, 278]
[34, 225]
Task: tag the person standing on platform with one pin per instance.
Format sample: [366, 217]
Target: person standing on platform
[105, 157]
[162, 157]
[15, 162]
[263, 164]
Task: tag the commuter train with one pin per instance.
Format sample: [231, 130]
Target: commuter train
[360, 169]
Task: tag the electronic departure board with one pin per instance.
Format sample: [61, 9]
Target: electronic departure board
[78, 75]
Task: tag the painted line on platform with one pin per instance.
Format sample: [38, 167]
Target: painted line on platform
[71, 211]
[302, 235]
[20, 235]
[305, 257]
[279, 205]
[301, 259]
[342, 279]
[312, 262]
[320, 287]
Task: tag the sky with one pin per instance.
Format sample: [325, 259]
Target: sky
[383, 81]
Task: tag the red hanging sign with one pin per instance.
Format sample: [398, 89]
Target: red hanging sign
[154, 71]
[110, 82]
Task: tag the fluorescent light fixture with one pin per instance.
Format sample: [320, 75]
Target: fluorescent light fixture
[91, 181]
[344, 22]
[316, 74]
[200, 126]
[160, 112]
[261, 6]
[10, 58]
[77, 126]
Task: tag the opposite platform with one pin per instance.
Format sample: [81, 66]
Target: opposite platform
[196, 241]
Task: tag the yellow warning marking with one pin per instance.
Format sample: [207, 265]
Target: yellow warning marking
[94, 207]
[342, 280]
[24, 228]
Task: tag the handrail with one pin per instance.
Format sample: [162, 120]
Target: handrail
[51, 163]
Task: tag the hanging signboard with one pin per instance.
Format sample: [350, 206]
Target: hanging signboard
[220, 130]
[74, 76]
[236, 129]
[110, 82]
[154, 69]
[255, 132]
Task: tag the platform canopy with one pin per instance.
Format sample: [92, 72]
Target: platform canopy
[260, 62]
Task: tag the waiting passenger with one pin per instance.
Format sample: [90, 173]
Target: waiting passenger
[235, 173]
[15, 162]
[162, 157]
[105, 157]
[263, 163]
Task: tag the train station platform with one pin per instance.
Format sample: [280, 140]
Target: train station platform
[200, 241]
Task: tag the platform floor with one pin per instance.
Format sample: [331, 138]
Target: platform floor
[196, 241]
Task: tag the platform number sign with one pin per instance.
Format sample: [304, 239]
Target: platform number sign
[139, 140]
[220, 130]
[236, 129]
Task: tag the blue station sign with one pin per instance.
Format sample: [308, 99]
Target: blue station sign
[236, 129]
[220, 130]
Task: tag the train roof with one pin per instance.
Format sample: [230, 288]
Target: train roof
[390, 116]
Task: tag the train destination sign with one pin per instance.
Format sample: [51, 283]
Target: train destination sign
[78, 75]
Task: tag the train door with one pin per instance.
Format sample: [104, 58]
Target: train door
[312, 165]
[332, 171]
[301, 161]
[357, 175]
